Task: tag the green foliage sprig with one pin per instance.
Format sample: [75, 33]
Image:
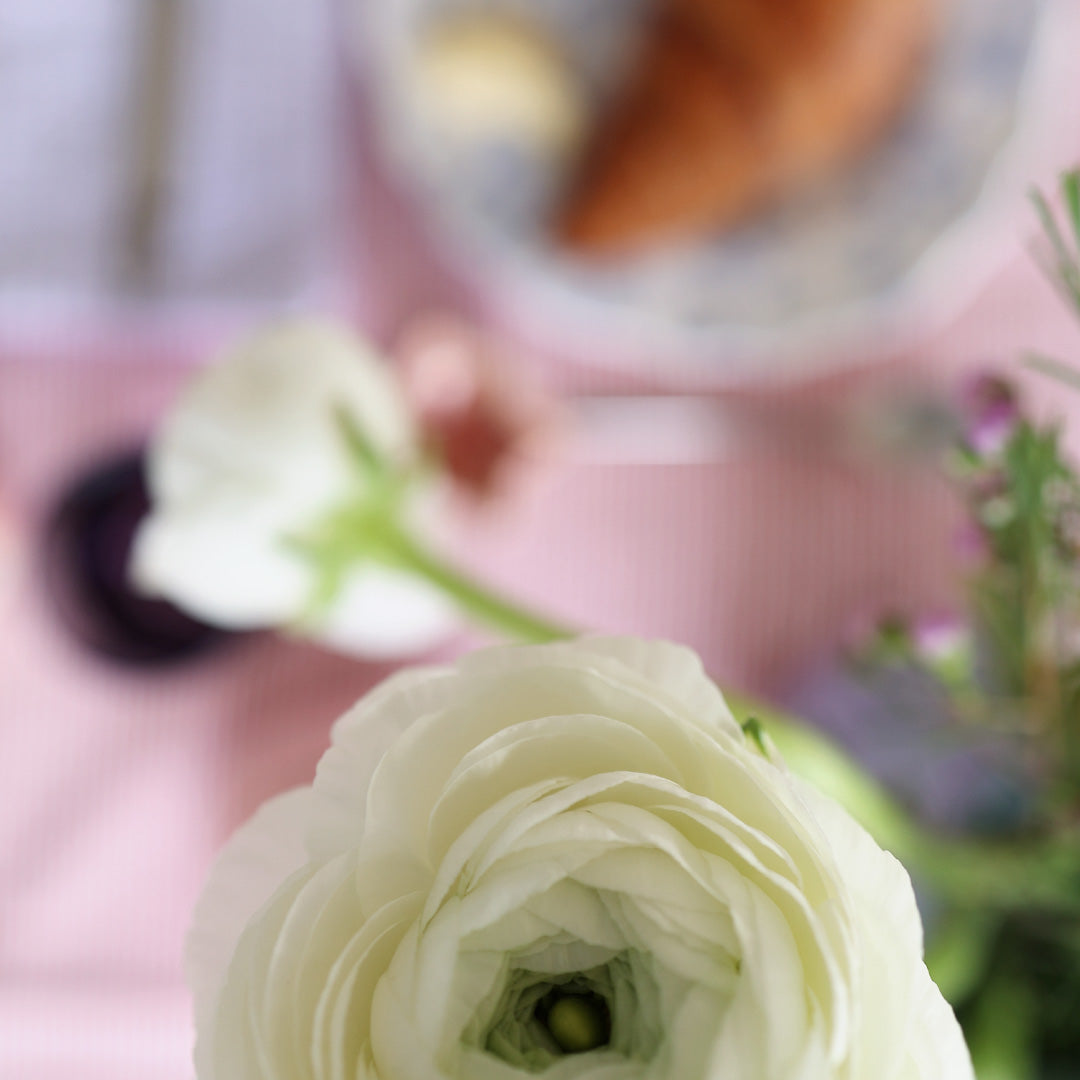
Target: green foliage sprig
[1012, 968]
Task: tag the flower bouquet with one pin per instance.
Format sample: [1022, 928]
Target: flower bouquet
[566, 858]
[574, 858]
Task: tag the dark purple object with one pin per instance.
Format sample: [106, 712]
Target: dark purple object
[88, 544]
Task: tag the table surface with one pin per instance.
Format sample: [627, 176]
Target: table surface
[117, 787]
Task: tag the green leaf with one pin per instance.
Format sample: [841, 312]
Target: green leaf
[1070, 185]
[753, 730]
[1064, 269]
[1050, 227]
[1055, 369]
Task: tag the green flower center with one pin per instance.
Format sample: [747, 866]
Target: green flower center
[578, 1020]
[539, 1018]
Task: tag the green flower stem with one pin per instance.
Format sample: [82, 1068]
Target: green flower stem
[370, 530]
[483, 604]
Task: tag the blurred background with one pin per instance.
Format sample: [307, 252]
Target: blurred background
[746, 304]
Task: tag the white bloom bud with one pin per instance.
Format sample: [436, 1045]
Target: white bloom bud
[250, 461]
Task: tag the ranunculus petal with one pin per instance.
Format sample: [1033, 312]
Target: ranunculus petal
[249, 870]
[936, 1047]
[222, 569]
[486, 699]
[255, 423]
[318, 927]
[359, 741]
[890, 935]
[564, 747]
[228, 1044]
[342, 1022]
[659, 669]
[382, 613]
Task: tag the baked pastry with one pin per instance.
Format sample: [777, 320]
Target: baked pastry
[732, 103]
[489, 76]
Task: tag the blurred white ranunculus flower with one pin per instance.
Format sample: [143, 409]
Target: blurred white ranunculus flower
[561, 860]
[263, 480]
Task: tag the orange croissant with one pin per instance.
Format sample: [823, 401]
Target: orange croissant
[732, 103]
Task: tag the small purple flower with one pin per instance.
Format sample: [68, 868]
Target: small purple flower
[943, 642]
[991, 411]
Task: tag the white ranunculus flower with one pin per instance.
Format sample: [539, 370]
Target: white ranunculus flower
[252, 457]
[564, 860]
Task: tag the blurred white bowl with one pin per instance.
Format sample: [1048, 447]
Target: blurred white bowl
[862, 266]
